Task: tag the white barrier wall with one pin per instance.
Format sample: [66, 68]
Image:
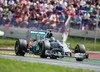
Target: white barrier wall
[85, 33]
[21, 33]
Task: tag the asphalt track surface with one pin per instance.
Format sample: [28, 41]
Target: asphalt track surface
[91, 64]
[95, 55]
[84, 65]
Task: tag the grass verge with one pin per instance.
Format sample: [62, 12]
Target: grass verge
[88, 42]
[7, 42]
[13, 53]
[7, 65]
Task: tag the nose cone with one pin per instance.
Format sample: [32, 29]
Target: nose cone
[1, 33]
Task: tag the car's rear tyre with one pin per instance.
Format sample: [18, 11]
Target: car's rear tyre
[53, 57]
[20, 47]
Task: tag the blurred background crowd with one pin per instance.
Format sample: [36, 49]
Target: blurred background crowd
[50, 14]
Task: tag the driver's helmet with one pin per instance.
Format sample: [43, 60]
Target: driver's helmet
[52, 38]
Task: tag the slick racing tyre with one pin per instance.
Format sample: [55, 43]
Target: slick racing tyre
[42, 49]
[80, 48]
[20, 47]
[46, 44]
[79, 59]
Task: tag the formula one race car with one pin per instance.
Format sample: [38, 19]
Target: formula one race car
[45, 45]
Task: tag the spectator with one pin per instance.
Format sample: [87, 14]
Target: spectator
[6, 10]
[1, 9]
[78, 21]
[53, 20]
[82, 3]
[49, 14]
[64, 4]
[86, 16]
[10, 16]
[5, 3]
[11, 2]
[62, 18]
[1, 1]
[92, 24]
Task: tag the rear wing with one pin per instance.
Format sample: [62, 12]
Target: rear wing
[34, 34]
[37, 32]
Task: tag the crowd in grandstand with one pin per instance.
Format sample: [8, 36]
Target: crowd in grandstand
[49, 13]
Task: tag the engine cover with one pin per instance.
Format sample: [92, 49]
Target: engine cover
[54, 45]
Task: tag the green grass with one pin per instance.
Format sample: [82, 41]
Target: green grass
[89, 43]
[7, 65]
[7, 42]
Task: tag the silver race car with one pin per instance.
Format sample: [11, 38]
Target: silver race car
[45, 44]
